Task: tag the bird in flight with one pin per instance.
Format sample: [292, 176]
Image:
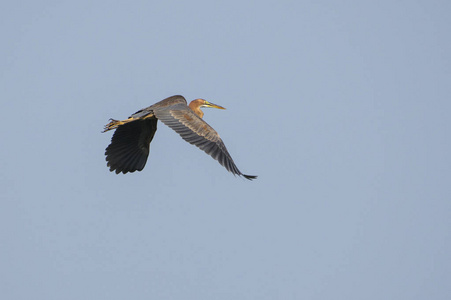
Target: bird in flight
[129, 147]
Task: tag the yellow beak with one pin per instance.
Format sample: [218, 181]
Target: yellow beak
[209, 104]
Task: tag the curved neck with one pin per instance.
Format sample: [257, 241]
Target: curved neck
[195, 106]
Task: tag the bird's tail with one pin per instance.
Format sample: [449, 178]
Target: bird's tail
[113, 124]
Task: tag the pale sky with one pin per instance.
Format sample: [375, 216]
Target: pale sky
[340, 107]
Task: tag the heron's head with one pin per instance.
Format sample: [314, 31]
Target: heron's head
[195, 105]
[205, 103]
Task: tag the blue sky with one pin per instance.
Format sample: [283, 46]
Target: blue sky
[341, 108]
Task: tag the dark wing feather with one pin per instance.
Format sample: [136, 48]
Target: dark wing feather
[196, 131]
[130, 145]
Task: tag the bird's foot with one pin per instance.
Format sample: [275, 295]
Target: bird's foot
[113, 124]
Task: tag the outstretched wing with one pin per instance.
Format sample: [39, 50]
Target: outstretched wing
[196, 131]
[130, 145]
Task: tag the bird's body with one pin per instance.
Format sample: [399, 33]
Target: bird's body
[130, 143]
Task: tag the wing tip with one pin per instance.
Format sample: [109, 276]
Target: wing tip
[249, 177]
[118, 170]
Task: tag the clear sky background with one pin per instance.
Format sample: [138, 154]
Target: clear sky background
[341, 107]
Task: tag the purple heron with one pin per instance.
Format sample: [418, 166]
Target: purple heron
[130, 143]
